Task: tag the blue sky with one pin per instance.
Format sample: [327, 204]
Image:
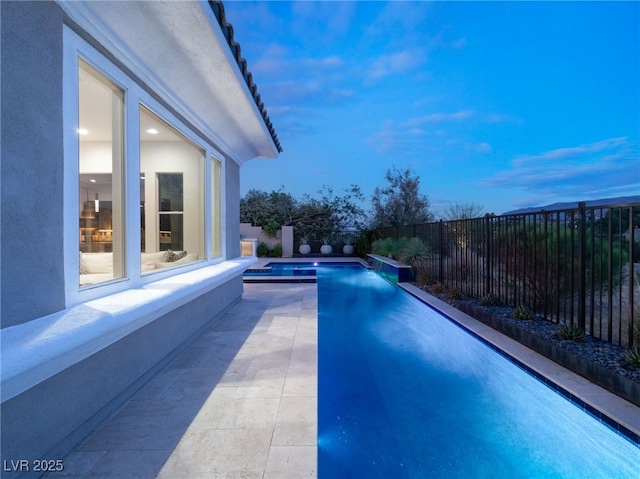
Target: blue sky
[501, 104]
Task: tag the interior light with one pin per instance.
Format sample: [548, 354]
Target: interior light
[92, 180]
[96, 204]
[152, 131]
[83, 131]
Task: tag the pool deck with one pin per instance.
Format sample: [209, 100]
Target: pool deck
[241, 400]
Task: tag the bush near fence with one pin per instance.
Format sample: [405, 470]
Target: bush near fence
[574, 266]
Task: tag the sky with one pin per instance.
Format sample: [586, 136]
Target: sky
[504, 105]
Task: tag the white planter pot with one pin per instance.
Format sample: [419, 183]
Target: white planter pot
[304, 249]
[326, 249]
[347, 249]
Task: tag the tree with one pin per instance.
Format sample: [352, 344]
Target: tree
[315, 217]
[463, 211]
[400, 202]
[269, 210]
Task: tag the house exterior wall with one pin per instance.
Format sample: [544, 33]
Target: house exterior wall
[232, 224]
[32, 282]
[49, 415]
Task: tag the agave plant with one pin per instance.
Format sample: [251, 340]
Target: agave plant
[415, 254]
[570, 332]
[523, 313]
[490, 300]
[633, 356]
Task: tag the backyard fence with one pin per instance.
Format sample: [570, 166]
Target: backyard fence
[572, 266]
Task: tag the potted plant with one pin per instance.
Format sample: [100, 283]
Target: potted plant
[348, 247]
[326, 245]
[304, 248]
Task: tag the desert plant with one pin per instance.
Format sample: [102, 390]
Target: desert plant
[570, 332]
[523, 313]
[415, 254]
[633, 356]
[304, 239]
[326, 240]
[437, 288]
[490, 300]
[276, 251]
[423, 278]
[454, 293]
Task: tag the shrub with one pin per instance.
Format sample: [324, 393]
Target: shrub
[383, 247]
[437, 288]
[276, 252]
[423, 278]
[263, 250]
[633, 356]
[523, 313]
[454, 293]
[570, 332]
[363, 245]
[490, 300]
[415, 254]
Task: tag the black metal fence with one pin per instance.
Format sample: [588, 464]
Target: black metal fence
[573, 266]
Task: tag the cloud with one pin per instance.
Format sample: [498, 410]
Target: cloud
[586, 169]
[439, 118]
[398, 63]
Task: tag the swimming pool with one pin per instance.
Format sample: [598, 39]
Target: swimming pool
[405, 393]
[284, 269]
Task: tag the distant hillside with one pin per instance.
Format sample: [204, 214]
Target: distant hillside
[620, 200]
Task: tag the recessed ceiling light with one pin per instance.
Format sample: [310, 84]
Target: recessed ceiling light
[92, 180]
[152, 131]
[83, 131]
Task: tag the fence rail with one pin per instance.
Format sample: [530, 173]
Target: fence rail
[573, 266]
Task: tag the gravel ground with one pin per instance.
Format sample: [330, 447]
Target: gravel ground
[608, 355]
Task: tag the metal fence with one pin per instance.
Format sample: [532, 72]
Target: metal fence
[572, 266]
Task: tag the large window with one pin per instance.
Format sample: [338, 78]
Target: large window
[172, 196]
[101, 208]
[143, 192]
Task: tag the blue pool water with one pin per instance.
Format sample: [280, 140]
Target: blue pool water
[284, 269]
[405, 393]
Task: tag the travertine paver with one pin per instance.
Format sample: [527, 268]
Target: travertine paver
[239, 402]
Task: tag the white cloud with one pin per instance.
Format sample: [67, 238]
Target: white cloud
[440, 118]
[398, 63]
[580, 170]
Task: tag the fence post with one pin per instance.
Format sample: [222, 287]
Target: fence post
[487, 255]
[631, 276]
[440, 252]
[582, 296]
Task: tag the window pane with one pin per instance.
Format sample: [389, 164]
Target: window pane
[101, 147]
[216, 217]
[171, 195]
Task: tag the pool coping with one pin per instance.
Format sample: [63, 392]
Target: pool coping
[616, 412]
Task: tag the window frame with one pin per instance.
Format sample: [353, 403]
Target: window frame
[135, 97]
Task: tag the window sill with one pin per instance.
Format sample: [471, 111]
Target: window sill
[39, 349]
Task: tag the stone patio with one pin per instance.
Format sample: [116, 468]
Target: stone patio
[239, 402]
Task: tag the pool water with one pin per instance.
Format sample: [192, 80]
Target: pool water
[284, 269]
[405, 393]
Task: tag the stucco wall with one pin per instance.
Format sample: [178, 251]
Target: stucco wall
[232, 224]
[32, 282]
